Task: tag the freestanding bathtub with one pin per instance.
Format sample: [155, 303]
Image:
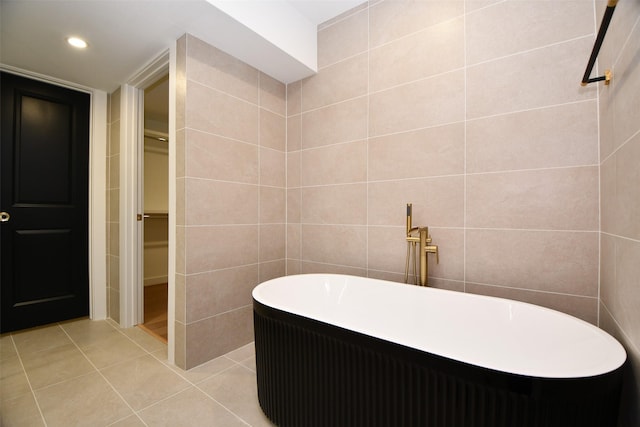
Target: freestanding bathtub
[335, 350]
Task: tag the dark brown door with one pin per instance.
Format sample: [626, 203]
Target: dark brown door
[44, 202]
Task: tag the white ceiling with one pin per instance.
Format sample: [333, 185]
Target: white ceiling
[123, 35]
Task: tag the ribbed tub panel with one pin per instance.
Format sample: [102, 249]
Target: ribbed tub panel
[310, 374]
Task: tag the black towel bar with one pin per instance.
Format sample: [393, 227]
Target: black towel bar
[611, 6]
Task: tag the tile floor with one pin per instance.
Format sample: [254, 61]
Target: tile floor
[86, 373]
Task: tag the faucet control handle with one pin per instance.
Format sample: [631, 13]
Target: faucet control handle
[433, 249]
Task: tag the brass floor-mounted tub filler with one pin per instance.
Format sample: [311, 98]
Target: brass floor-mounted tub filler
[418, 238]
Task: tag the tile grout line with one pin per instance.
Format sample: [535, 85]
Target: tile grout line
[630, 342]
[165, 364]
[600, 162]
[367, 139]
[466, 124]
[24, 371]
[102, 375]
[595, 297]
[223, 406]
[235, 364]
[196, 384]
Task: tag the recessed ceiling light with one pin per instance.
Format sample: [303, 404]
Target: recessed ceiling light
[77, 42]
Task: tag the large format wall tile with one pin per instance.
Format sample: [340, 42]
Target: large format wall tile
[339, 82]
[293, 205]
[626, 194]
[412, 57]
[558, 199]
[273, 95]
[430, 102]
[307, 267]
[335, 164]
[562, 262]
[215, 292]
[272, 205]
[294, 133]
[346, 121]
[293, 241]
[215, 247]
[343, 39]
[608, 197]
[272, 242]
[214, 202]
[200, 335]
[210, 110]
[294, 98]
[335, 244]
[515, 26]
[272, 130]
[434, 151]
[585, 308]
[218, 70]
[273, 171]
[626, 90]
[390, 20]
[436, 202]
[334, 204]
[622, 296]
[534, 79]
[565, 135]
[272, 269]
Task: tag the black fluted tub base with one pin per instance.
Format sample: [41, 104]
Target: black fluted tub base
[310, 373]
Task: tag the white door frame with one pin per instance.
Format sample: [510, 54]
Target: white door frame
[131, 146]
[97, 185]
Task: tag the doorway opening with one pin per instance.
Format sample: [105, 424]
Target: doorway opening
[155, 190]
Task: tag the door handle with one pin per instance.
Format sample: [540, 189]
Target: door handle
[4, 216]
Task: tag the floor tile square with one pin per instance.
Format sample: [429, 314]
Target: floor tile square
[48, 367]
[189, 408]
[130, 421]
[82, 401]
[206, 370]
[85, 332]
[243, 353]
[112, 349]
[144, 381]
[39, 339]
[236, 390]
[13, 381]
[20, 411]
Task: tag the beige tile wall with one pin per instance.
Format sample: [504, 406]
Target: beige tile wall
[113, 207]
[231, 194]
[620, 193]
[472, 111]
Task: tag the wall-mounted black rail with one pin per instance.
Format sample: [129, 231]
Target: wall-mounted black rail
[611, 6]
